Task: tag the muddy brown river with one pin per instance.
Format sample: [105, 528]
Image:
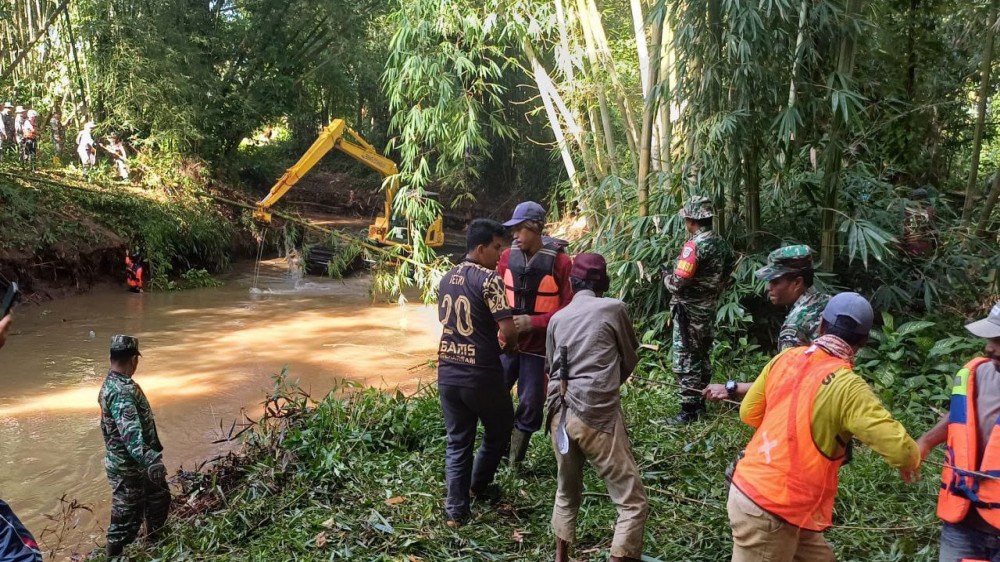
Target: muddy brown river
[207, 354]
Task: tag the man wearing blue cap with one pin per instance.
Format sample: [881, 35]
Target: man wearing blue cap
[807, 405]
[969, 499]
[536, 272]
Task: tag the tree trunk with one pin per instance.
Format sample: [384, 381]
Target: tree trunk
[991, 202]
[666, 124]
[648, 114]
[621, 98]
[589, 25]
[835, 150]
[751, 175]
[23, 52]
[639, 27]
[984, 92]
[553, 116]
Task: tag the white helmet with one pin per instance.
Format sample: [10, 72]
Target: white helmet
[32, 114]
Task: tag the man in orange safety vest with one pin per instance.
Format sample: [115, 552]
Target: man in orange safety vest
[807, 404]
[969, 500]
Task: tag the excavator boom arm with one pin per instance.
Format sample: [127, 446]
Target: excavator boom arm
[331, 137]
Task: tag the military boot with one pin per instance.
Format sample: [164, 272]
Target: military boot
[114, 549]
[519, 441]
[690, 412]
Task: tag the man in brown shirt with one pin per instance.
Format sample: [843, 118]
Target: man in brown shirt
[600, 353]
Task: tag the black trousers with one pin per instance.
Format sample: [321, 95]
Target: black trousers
[463, 409]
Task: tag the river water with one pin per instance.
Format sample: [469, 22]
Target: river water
[207, 354]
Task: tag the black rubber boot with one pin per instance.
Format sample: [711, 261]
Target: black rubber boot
[690, 412]
[114, 550]
[519, 441]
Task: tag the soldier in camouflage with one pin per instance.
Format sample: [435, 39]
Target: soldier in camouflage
[702, 272]
[789, 275]
[134, 461]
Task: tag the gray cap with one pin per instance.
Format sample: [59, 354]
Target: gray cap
[121, 343]
[988, 327]
[850, 311]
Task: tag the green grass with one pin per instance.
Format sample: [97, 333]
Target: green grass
[316, 483]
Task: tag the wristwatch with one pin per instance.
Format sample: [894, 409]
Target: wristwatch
[731, 389]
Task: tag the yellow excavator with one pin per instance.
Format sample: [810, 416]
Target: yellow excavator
[387, 229]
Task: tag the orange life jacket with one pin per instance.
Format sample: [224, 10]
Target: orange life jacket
[531, 284]
[134, 269]
[782, 470]
[961, 490]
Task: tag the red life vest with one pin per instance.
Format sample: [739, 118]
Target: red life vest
[782, 470]
[961, 490]
[531, 284]
[134, 270]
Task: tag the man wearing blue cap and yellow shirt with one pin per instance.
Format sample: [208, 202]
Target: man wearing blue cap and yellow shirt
[536, 272]
[789, 275]
[807, 405]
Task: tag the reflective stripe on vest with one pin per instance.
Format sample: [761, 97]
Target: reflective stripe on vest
[961, 490]
[782, 470]
[531, 286]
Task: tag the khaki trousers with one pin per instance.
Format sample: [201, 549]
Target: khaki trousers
[759, 536]
[611, 455]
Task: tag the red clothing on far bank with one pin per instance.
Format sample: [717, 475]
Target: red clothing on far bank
[534, 341]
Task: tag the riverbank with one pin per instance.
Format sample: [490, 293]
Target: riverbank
[360, 477]
[62, 233]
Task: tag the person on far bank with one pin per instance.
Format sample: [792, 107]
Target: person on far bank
[86, 148]
[472, 308]
[968, 502]
[134, 455]
[700, 276]
[789, 274]
[535, 272]
[29, 139]
[806, 405]
[6, 129]
[600, 344]
[19, 116]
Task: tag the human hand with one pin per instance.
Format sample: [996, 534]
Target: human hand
[5, 323]
[156, 472]
[522, 323]
[925, 448]
[715, 392]
[910, 475]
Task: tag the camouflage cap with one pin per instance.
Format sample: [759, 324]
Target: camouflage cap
[785, 260]
[121, 343]
[698, 207]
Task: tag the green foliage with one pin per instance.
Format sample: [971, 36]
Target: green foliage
[359, 474]
[911, 369]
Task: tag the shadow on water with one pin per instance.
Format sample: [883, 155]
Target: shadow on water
[207, 354]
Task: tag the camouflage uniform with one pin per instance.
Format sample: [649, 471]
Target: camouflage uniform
[133, 448]
[702, 273]
[801, 326]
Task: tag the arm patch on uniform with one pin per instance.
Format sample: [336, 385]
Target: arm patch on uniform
[687, 263]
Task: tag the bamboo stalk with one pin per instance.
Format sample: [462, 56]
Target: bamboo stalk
[984, 93]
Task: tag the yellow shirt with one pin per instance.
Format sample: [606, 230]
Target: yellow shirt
[845, 406]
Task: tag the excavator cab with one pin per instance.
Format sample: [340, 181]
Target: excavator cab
[388, 229]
